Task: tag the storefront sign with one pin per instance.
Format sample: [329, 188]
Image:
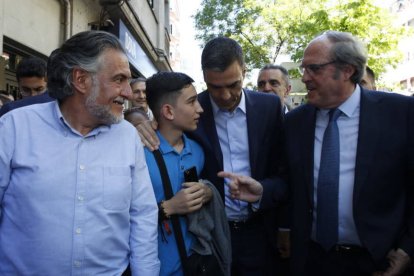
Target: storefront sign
[135, 53]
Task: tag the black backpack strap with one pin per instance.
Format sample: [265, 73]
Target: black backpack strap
[174, 218]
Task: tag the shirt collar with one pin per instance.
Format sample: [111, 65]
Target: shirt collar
[165, 147]
[65, 126]
[241, 105]
[350, 105]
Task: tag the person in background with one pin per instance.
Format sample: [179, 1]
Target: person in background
[32, 81]
[240, 132]
[275, 79]
[75, 193]
[139, 96]
[31, 76]
[350, 166]
[135, 115]
[368, 79]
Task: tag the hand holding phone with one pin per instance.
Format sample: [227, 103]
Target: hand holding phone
[190, 175]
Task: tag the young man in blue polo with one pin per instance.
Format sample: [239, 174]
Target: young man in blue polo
[173, 100]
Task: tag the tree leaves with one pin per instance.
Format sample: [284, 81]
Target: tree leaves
[268, 28]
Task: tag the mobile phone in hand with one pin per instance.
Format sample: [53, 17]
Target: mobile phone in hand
[190, 175]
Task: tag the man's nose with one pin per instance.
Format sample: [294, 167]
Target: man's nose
[225, 94]
[305, 76]
[127, 92]
[267, 87]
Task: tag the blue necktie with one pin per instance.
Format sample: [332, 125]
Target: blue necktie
[328, 182]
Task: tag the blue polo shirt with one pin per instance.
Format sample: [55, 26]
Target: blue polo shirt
[176, 163]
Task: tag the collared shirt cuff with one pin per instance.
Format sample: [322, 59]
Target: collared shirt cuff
[256, 205]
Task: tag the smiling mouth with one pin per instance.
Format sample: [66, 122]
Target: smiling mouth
[119, 101]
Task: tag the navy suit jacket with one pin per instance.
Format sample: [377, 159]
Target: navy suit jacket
[264, 125]
[384, 175]
[42, 98]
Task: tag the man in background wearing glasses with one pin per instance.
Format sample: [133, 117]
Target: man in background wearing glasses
[32, 81]
[350, 159]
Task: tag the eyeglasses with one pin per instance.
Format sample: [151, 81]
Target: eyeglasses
[313, 68]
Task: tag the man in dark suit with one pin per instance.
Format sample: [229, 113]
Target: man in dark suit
[240, 133]
[365, 223]
[42, 98]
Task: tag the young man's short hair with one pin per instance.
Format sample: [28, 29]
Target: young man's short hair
[31, 67]
[165, 87]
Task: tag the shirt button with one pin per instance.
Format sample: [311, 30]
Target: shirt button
[78, 230]
[77, 263]
[82, 167]
[80, 198]
[182, 167]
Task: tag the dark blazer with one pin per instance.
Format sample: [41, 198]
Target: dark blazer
[384, 175]
[264, 124]
[42, 98]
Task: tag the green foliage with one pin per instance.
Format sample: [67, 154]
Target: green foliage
[268, 28]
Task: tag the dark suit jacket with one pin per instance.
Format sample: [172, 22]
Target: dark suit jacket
[42, 98]
[384, 175]
[264, 122]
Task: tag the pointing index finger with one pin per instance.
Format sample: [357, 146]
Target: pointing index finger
[229, 175]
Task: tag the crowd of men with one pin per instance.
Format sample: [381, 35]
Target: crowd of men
[225, 182]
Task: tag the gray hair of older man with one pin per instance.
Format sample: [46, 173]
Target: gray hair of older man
[348, 49]
[80, 51]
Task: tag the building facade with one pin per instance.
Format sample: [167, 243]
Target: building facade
[403, 74]
[37, 27]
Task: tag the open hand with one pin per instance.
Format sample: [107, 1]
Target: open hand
[146, 131]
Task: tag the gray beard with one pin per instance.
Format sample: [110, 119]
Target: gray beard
[101, 112]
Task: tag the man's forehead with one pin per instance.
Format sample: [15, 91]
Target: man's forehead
[318, 49]
[139, 85]
[271, 73]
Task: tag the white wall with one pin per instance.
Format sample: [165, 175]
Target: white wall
[34, 23]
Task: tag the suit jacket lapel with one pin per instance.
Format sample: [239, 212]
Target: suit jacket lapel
[308, 134]
[368, 134]
[208, 126]
[254, 132]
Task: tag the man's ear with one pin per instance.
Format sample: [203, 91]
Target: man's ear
[348, 71]
[288, 89]
[81, 80]
[167, 112]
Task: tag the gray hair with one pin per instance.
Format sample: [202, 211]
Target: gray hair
[282, 69]
[82, 50]
[347, 49]
[139, 79]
